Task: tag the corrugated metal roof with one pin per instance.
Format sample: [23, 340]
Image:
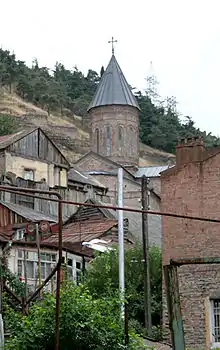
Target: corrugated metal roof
[113, 88]
[27, 213]
[151, 171]
[81, 177]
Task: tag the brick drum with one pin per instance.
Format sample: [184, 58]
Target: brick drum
[114, 116]
[192, 187]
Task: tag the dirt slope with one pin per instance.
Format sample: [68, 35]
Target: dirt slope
[67, 131]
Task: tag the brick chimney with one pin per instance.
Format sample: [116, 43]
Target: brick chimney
[189, 150]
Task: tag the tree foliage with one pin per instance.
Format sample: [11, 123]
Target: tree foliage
[161, 127]
[85, 323]
[60, 89]
[102, 279]
[7, 124]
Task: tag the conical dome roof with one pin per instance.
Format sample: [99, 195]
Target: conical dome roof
[113, 88]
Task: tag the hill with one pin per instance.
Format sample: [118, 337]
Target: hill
[54, 98]
[67, 131]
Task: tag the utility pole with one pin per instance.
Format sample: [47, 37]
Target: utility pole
[146, 260]
[121, 240]
[38, 256]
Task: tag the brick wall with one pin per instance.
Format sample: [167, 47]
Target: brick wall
[115, 116]
[193, 188]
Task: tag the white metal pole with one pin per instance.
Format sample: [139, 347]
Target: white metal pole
[121, 239]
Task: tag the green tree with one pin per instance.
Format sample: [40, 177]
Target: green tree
[7, 125]
[102, 279]
[69, 89]
[85, 323]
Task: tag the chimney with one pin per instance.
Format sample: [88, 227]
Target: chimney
[189, 150]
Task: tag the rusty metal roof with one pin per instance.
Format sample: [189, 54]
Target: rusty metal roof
[76, 233]
[28, 213]
[83, 231]
[113, 88]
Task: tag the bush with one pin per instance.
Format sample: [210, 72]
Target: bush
[102, 278]
[85, 323]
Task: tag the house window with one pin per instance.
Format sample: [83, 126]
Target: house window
[19, 234]
[78, 272]
[48, 262]
[108, 140]
[215, 323]
[70, 268]
[57, 176]
[120, 137]
[97, 138]
[29, 174]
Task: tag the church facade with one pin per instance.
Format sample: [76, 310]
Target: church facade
[114, 119]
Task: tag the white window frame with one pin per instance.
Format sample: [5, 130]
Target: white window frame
[212, 325]
[31, 257]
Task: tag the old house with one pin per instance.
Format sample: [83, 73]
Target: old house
[192, 187]
[30, 159]
[23, 256]
[31, 155]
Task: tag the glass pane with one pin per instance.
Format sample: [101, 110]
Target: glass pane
[48, 257]
[69, 272]
[29, 175]
[48, 270]
[43, 270]
[53, 257]
[30, 269]
[216, 314]
[20, 253]
[70, 262]
[19, 267]
[78, 265]
[78, 276]
[43, 256]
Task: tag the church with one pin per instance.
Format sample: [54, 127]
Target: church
[114, 123]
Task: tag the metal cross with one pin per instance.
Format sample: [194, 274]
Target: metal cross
[112, 42]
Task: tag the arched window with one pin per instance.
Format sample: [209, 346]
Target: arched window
[108, 140]
[131, 140]
[120, 137]
[97, 140]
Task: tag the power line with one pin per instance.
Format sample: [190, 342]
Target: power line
[152, 212]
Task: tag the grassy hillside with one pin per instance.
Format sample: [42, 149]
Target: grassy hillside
[68, 132]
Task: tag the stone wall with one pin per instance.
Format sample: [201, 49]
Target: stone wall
[125, 117]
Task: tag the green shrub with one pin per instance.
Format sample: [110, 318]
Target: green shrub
[85, 323]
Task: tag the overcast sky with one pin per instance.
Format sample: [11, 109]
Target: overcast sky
[181, 37]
